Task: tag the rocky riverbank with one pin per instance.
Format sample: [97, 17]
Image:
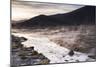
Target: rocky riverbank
[21, 55]
[51, 50]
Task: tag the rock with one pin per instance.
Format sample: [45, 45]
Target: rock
[15, 39]
[76, 49]
[26, 49]
[77, 61]
[25, 55]
[41, 56]
[35, 57]
[23, 39]
[14, 45]
[34, 53]
[44, 61]
[92, 56]
[32, 48]
[22, 53]
[71, 53]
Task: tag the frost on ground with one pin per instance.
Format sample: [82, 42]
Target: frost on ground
[54, 52]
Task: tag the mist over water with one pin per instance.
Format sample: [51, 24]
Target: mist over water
[60, 43]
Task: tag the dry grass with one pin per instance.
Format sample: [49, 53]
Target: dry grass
[79, 38]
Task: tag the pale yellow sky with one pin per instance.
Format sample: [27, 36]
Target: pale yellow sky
[25, 10]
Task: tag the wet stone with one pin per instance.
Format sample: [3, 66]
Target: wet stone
[25, 55]
[92, 56]
[71, 53]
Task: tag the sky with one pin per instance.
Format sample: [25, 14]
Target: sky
[24, 10]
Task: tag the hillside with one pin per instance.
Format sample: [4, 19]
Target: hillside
[85, 15]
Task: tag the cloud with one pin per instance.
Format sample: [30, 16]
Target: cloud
[25, 10]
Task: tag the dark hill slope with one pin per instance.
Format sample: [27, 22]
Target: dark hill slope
[85, 15]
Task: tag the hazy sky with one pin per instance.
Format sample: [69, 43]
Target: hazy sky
[25, 10]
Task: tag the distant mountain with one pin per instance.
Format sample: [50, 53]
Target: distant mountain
[85, 15]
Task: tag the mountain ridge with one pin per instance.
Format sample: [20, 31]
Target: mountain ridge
[85, 15]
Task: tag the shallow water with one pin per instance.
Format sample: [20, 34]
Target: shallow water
[50, 49]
